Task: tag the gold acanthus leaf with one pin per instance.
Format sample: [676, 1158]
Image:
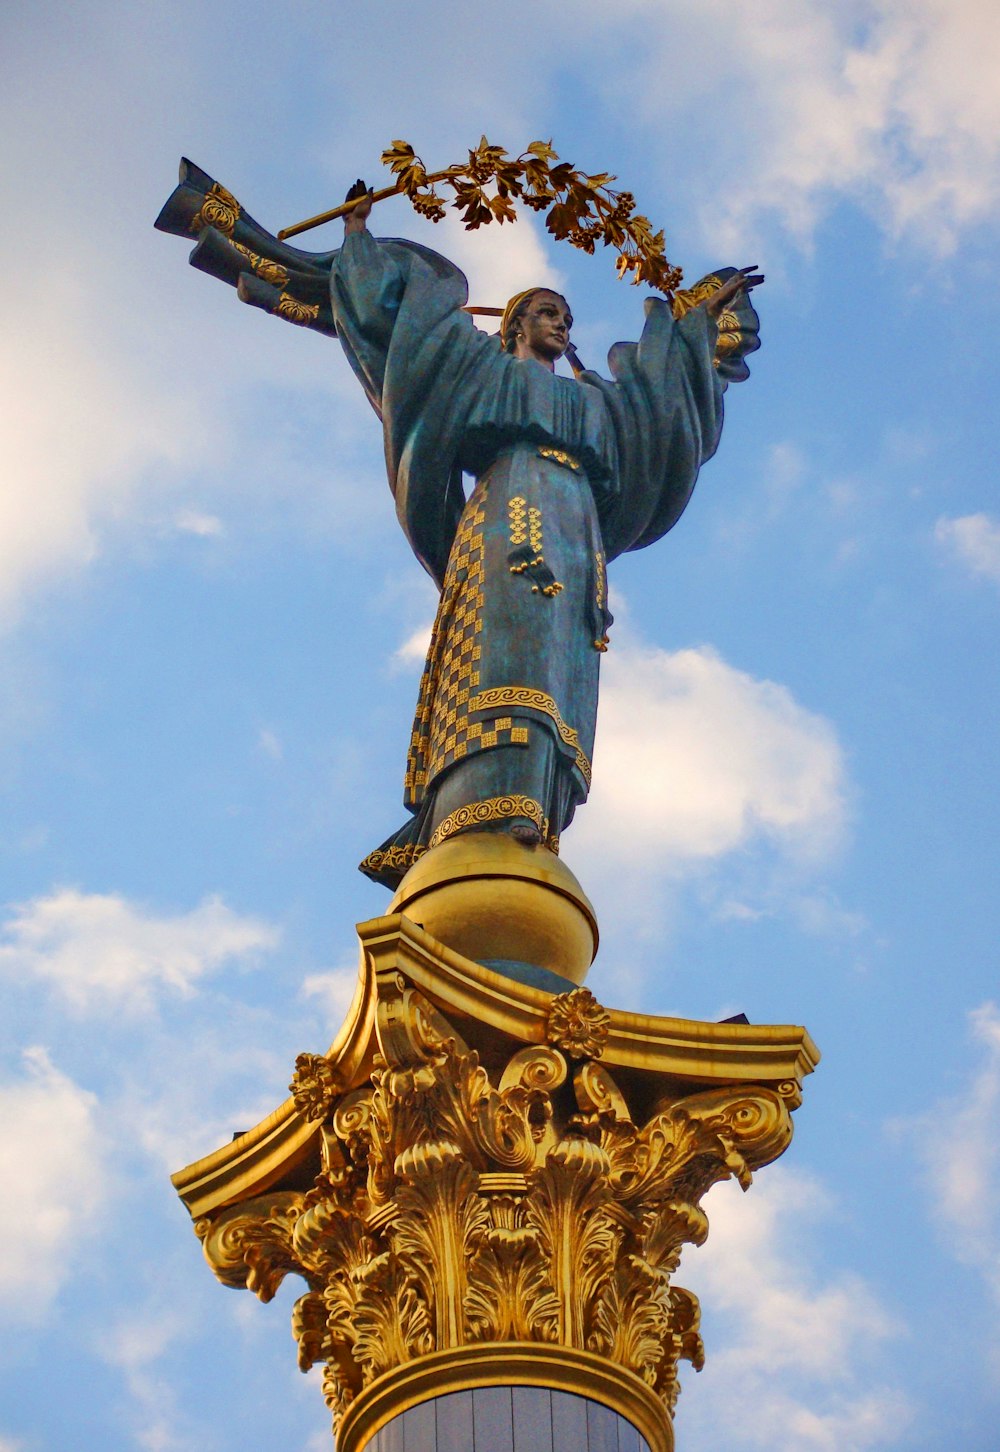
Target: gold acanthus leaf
[473, 1207]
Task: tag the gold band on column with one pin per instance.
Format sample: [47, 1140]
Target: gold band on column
[505, 1363]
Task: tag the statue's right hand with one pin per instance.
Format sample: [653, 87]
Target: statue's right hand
[355, 219]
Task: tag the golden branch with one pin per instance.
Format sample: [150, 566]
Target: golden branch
[581, 209]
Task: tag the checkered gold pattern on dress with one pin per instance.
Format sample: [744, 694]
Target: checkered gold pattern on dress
[514, 696]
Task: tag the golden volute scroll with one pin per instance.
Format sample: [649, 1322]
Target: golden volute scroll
[495, 1189]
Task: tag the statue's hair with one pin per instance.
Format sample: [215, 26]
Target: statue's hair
[514, 311]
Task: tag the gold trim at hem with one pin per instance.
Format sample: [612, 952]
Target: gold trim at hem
[509, 697]
[494, 809]
[506, 1363]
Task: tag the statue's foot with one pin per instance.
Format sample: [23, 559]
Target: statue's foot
[526, 834]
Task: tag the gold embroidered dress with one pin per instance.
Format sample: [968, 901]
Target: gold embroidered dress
[568, 473]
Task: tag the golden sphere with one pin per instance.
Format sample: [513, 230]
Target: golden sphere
[495, 900]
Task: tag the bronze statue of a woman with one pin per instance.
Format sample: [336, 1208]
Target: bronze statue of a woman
[569, 473]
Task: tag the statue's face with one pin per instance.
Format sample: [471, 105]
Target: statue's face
[545, 326]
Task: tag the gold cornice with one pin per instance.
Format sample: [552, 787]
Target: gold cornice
[690, 1054]
[506, 1363]
[684, 1049]
[485, 1184]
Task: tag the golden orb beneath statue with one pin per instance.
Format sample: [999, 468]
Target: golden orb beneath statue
[494, 900]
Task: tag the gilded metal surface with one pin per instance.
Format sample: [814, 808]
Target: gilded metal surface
[686, 298]
[489, 898]
[398, 859]
[730, 332]
[507, 1363]
[560, 456]
[510, 697]
[577, 1024]
[294, 311]
[542, 1203]
[497, 809]
[220, 210]
[272, 272]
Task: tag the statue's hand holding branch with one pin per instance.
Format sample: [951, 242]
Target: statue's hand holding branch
[356, 219]
[742, 280]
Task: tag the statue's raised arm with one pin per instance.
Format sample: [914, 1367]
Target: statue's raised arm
[568, 473]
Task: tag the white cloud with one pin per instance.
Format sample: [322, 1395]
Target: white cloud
[193, 521]
[793, 1343]
[414, 647]
[134, 1345]
[269, 742]
[890, 103]
[957, 1141]
[696, 759]
[99, 951]
[334, 992]
[974, 540]
[52, 1167]
[498, 260]
[81, 425]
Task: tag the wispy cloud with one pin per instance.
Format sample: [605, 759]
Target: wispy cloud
[414, 647]
[52, 1163]
[194, 521]
[135, 1344]
[974, 541]
[958, 1145]
[696, 759]
[790, 1367]
[99, 951]
[333, 992]
[889, 105]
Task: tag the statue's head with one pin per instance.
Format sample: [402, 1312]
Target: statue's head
[536, 324]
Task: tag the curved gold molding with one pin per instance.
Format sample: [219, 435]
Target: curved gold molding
[696, 1053]
[276, 1148]
[691, 1055]
[505, 1363]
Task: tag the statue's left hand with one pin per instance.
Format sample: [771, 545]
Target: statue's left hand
[356, 220]
[742, 280]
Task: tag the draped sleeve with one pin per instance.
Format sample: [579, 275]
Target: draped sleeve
[666, 409]
[398, 312]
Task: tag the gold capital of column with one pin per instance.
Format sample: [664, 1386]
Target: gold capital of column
[504, 1210]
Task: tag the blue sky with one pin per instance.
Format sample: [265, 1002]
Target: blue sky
[210, 639]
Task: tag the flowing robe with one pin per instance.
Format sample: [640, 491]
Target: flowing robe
[569, 474]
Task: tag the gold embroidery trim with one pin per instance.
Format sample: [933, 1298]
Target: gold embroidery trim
[535, 529]
[495, 809]
[393, 859]
[296, 312]
[497, 696]
[220, 210]
[270, 271]
[730, 332]
[515, 510]
[560, 456]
